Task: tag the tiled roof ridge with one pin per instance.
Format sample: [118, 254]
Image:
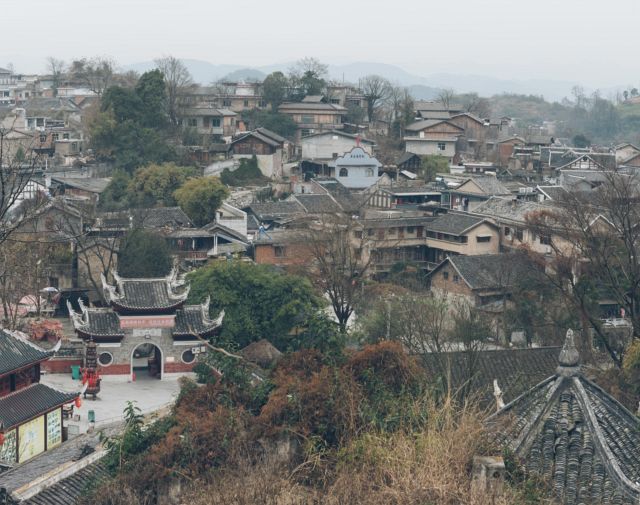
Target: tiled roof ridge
[611, 460]
[23, 337]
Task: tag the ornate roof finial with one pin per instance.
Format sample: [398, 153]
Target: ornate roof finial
[569, 356]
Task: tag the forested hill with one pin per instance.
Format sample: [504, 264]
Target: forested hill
[599, 119]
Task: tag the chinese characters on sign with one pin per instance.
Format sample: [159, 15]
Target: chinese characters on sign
[147, 321]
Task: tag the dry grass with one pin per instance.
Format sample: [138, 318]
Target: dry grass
[429, 467]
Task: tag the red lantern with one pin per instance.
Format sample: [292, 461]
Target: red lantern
[1, 434]
[78, 402]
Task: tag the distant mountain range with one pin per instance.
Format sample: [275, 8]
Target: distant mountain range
[422, 87]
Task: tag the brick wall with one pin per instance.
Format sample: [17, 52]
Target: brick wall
[60, 365]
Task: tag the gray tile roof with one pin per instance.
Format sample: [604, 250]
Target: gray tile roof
[516, 370]
[27, 403]
[90, 184]
[399, 221]
[329, 107]
[454, 224]
[508, 208]
[556, 193]
[192, 319]
[569, 432]
[17, 352]
[489, 271]
[68, 491]
[160, 217]
[146, 295]
[318, 204]
[73, 449]
[99, 323]
[489, 184]
[422, 124]
[270, 211]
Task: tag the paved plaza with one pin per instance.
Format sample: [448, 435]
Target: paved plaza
[148, 394]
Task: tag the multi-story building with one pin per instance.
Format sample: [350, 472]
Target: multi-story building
[314, 116]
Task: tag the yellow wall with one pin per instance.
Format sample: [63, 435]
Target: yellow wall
[31, 439]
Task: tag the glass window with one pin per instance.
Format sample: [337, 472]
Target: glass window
[442, 146]
[344, 172]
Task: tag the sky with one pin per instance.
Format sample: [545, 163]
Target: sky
[594, 42]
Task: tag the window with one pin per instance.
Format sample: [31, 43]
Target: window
[65, 136]
[344, 172]
[483, 238]
[392, 231]
[456, 278]
[305, 133]
[442, 146]
[410, 229]
[262, 104]
[507, 231]
[335, 101]
[55, 136]
[357, 234]
[192, 121]
[279, 251]
[519, 235]
[188, 357]
[545, 239]
[226, 102]
[369, 172]
[370, 232]
[105, 358]
[43, 138]
[215, 122]
[246, 103]
[445, 275]
[306, 119]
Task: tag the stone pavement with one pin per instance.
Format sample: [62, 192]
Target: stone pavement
[148, 394]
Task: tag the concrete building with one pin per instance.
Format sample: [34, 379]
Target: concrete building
[356, 169]
[433, 137]
[328, 145]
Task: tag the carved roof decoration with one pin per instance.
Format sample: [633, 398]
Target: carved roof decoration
[103, 324]
[574, 435]
[146, 296]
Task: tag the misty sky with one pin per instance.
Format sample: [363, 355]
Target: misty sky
[592, 41]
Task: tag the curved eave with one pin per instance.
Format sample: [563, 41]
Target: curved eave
[98, 337]
[190, 336]
[29, 364]
[128, 309]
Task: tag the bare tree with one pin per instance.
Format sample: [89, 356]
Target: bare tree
[338, 249]
[57, 69]
[376, 90]
[446, 97]
[594, 241]
[309, 65]
[178, 80]
[97, 74]
[18, 164]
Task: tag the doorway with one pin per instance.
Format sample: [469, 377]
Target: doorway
[146, 362]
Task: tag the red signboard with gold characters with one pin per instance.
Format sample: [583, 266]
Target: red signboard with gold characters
[167, 321]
